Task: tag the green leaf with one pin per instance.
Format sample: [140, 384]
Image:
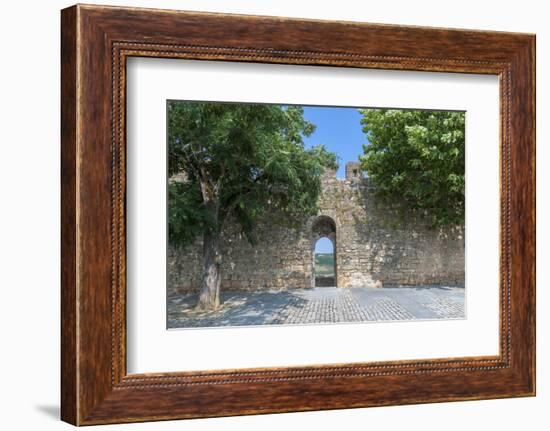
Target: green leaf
[243, 162]
[416, 161]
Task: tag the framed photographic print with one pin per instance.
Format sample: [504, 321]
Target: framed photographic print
[265, 214]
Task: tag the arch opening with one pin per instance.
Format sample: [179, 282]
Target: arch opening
[324, 256]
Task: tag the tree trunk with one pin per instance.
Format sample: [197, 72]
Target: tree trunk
[209, 297]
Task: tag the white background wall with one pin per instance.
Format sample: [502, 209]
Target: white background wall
[29, 214]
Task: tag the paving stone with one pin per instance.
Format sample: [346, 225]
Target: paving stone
[321, 305]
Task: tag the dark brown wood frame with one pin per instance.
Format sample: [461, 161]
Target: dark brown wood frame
[95, 43]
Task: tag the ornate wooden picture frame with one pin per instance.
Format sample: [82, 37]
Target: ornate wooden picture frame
[96, 41]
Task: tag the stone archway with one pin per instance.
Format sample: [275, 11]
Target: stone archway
[323, 227]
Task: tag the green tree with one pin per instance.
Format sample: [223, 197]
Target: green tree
[239, 162]
[416, 160]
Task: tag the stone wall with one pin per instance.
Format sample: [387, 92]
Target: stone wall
[374, 247]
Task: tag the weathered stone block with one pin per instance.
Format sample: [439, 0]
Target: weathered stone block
[373, 247]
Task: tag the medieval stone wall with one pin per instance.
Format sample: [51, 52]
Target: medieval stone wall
[374, 246]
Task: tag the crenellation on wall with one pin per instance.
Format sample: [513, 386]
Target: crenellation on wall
[374, 246]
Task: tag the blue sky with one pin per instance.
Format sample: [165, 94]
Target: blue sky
[339, 129]
[324, 245]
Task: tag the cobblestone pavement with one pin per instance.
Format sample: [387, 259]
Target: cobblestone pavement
[321, 305]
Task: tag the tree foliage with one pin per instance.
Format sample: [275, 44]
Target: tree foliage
[239, 161]
[416, 159]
